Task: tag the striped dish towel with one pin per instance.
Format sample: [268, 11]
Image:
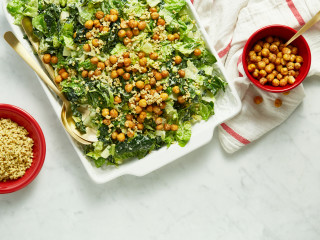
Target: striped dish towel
[229, 24]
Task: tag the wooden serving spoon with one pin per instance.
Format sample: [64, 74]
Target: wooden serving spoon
[308, 25]
[66, 113]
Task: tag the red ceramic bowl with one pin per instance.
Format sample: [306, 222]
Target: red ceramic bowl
[285, 33]
[39, 149]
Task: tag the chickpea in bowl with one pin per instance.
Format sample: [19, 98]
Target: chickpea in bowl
[272, 66]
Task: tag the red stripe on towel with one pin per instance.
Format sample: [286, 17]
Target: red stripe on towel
[295, 12]
[234, 134]
[223, 52]
[192, 1]
[239, 61]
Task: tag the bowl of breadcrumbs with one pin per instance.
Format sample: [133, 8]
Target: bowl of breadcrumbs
[22, 148]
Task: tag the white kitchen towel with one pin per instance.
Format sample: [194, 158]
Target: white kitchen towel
[229, 24]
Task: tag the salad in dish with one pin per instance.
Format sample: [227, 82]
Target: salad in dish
[140, 68]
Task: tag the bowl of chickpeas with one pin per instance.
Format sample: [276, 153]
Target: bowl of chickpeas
[273, 66]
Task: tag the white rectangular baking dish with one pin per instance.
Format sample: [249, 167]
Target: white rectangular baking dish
[227, 105]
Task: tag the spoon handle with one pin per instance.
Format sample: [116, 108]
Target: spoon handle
[308, 25]
[24, 54]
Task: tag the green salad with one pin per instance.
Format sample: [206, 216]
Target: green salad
[140, 67]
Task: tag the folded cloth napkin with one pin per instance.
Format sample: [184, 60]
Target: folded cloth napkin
[229, 24]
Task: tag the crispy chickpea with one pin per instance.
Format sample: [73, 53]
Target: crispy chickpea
[257, 48]
[174, 127]
[105, 112]
[155, 15]
[88, 35]
[152, 81]
[133, 23]
[269, 68]
[182, 73]
[181, 100]
[158, 120]
[140, 84]
[128, 69]
[294, 50]
[269, 39]
[154, 56]
[124, 24]
[126, 41]
[122, 33]
[138, 109]
[279, 55]
[273, 48]
[284, 71]
[255, 74]
[96, 23]
[177, 59]
[286, 57]
[281, 46]
[286, 50]
[143, 115]
[275, 72]
[99, 14]
[126, 62]
[84, 73]
[159, 127]
[97, 72]
[162, 105]
[261, 65]
[265, 52]
[291, 80]
[94, 60]
[290, 65]
[167, 127]
[171, 37]
[299, 59]
[176, 89]
[276, 42]
[159, 88]
[272, 58]
[263, 81]
[143, 62]
[113, 18]
[130, 134]
[142, 25]
[278, 61]
[121, 137]
[143, 70]
[156, 110]
[259, 58]
[262, 73]
[292, 73]
[46, 58]
[296, 74]
[165, 73]
[114, 113]
[90, 74]
[88, 24]
[270, 77]
[64, 75]
[140, 126]
[266, 46]
[58, 79]
[120, 71]
[279, 76]
[197, 52]
[147, 87]
[114, 135]
[135, 31]
[158, 76]
[113, 59]
[156, 37]
[107, 18]
[117, 99]
[275, 82]
[54, 60]
[129, 117]
[258, 99]
[164, 96]
[292, 58]
[251, 67]
[114, 74]
[126, 76]
[283, 62]
[283, 82]
[152, 9]
[149, 108]
[176, 36]
[252, 53]
[278, 68]
[253, 58]
[128, 87]
[142, 103]
[161, 22]
[129, 33]
[113, 12]
[266, 60]
[129, 124]
[297, 66]
[141, 54]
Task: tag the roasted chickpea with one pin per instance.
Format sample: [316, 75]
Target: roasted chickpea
[251, 67]
[58, 79]
[252, 53]
[154, 15]
[94, 60]
[159, 127]
[270, 77]
[84, 73]
[130, 134]
[96, 23]
[54, 60]
[143, 62]
[253, 58]
[164, 96]
[129, 34]
[156, 37]
[154, 56]
[141, 54]
[121, 137]
[128, 87]
[262, 73]
[286, 50]
[266, 60]
[278, 61]
[266, 46]
[152, 81]
[114, 135]
[114, 74]
[88, 35]
[291, 80]
[290, 65]
[269, 68]
[140, 84]
[176, 36]
[272, 58]
[128, 69]
[114, 113]
[88, 24]
[143, 103]
[120, 71]
[177, 59]
[90, 74]
[292, 73]
[133, 23]
[181, 100]
[122, 33]
[257, 48]
[297, 66]
[113, 18]
[283, 82]
[182, 73]
[275, 82]
[158, 76]
[143, 115]
[126, 62]
[283, 62]
[174, 127]
[176, 89]
[126, 41]
[278, 68]
[142, 25]
[165, 73]
[167, 127]
[62, 70]
[46, 58]
[265, 52]
[171, 37]
[284, 71]
[113, 59]
[105, 112]
[273, 48]
[261, 65]
[64, 75]
[161, 22]
[99, 14]
[156, 110]
[152, 9]
[197, 52]
[279, 76]
[126, 76]
[269, 39]
[113, 12]
[299, 59]
[129, 124]
[97, 72]
[294, 50]
[255, 74]
[140, 126]
[117, 99]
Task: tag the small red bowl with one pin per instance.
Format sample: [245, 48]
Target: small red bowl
[285, 33]
[39, 149]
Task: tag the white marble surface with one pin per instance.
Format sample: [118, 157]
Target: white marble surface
[270, 190]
